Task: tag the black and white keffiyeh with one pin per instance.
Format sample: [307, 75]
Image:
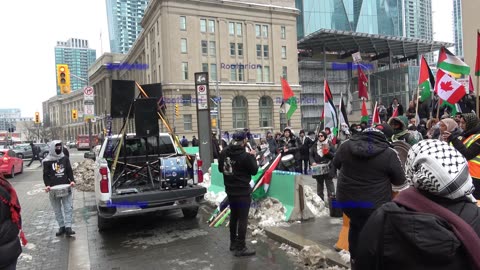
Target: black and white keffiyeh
[439, 169]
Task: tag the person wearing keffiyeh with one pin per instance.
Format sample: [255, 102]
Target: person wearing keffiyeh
[10, 226]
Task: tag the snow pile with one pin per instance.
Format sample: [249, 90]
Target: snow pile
[290, 250]
[345, 255]
[268, 212]
[314, 202]
[312, 255]
[213, 198]
[83, 174]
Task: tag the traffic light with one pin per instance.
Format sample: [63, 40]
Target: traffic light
[74, 114]
[63, 78]
[37, 118]
[177, 113]
[214, 122]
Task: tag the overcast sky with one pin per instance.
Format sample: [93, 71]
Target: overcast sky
[30, 29]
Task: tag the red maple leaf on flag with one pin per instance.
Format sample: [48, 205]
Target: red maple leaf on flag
[446, 86]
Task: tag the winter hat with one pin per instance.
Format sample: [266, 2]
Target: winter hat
[439, 169]
[402, 120]
[238, 137]
[471, 120]
[450, 123]
[386, 129]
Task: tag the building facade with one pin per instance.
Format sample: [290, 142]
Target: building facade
[471, 24]
[418, 19]
[10, 117]
[458, 27]
[124, 26]
[78, 56]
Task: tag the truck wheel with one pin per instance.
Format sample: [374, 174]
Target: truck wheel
[103, 223]
[190, 212]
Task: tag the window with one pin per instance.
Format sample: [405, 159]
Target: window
[183, 45]
[213, 49]
[240, 75]
[211, 26]
[266, 73]
[239, 112]
[265, 51]
[283, 32]
[259, 50]
[213, 72]
[233, 74]
[204, 47]
[232, 49]
[240, 49]
[266, 111]
[259, 74]
[183, 23]
[265, 31]
[203, 25]
[204, 67]
[284, 72]
[284, 52]
[231, 28]
[239, 29]
[258, 30]
[185, 70]
[187, 100]
[187, 122]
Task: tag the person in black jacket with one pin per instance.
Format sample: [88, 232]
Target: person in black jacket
[57, 170]
[368, 166]
[416, 230]
[10, 226]
[215, 145]
[322, 153]
[392, 108]
[287, 145]
[194, 141]
[238, 167]
[35, 154]
[304, 143]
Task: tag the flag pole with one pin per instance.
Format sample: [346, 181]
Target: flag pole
[477, 96]
[438, 107]
[416, 109]
[338, 114]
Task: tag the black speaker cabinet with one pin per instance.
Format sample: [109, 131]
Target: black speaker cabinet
[153, 90]
[146, 117]
[123, 93]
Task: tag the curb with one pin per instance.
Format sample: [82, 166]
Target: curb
[299, 242]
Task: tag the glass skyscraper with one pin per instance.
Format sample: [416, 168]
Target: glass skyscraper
[384, 17]
[124, 17]
[458, 27]
[78, 56]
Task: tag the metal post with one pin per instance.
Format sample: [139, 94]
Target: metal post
[38, 131]
[219, 127]
[90, 132]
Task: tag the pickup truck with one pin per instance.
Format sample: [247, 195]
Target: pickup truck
[155, 178]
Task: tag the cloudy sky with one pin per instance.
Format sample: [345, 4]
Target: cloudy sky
[30, 29]
[29, 32]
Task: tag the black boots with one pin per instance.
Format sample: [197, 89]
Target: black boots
[242, 250]
[233, 245]
[60, 232]
[69, 231]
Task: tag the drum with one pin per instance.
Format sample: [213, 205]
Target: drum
[288, 161]
[60, 191]
[321, 169]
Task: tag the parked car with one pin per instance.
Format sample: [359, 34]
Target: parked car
[25, 150]
[10, 164]
[71, 145]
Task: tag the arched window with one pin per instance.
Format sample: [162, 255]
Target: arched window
[266, 111]
[239, 112]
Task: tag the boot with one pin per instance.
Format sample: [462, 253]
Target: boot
[243, 250]
[60, 232]
[233, 245]
[69, 231]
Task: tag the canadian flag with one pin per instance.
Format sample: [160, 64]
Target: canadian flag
[447, 88]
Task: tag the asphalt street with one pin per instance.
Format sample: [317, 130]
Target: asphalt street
[164, 240]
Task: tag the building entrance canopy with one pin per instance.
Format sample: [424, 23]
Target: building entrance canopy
[379, 46]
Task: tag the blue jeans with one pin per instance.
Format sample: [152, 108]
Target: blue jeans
[64, 218]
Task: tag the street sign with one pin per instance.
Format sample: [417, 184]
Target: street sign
[202, 97]
[357, 57]
[89, 111]
[88, 93]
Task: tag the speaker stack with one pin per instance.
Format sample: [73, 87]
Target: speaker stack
[146, 118]
[123, 93]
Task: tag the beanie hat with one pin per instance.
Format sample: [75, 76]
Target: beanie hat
[438, 168]
[386, 129]
[471, 120]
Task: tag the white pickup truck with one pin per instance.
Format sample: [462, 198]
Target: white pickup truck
[156, 178]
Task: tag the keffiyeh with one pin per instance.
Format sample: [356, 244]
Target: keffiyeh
[439, 169]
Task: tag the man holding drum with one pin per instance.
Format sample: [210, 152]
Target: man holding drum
[58, 179]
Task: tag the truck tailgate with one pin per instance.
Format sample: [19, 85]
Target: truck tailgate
[159, 196]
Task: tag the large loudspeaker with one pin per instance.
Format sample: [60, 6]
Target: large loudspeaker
[146, 117]
[123, 93]
[153, 90]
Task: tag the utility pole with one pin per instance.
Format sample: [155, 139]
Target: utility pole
[219, 99]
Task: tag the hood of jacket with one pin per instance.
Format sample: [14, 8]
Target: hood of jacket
[402, 120]
[51, 154]
[235, 150]
[369, 143]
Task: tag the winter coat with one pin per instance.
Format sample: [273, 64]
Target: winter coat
[194, 142]
[10, 247]
[291, 145]
[390, 110]
[272, 145]
[314, 157]
[424, 110]
[411, 240]
[403, 133]
[368, 167]
[303, 148]
[237, 167]
[57, 169]
[216, 147]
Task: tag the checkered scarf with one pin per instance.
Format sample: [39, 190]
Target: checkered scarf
[439, 169]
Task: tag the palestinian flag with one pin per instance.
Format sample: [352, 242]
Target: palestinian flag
[264, 182]
[477, 63]
[364, 112]
[450, 63]
[471, 89]
[330, 112]
[376, 116]
[343, 113]
[289, 104]
[395, 112]
[447, 88]
[322, 119]
[426, 80]
[453, 108]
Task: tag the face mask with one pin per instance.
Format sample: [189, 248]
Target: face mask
[358, 129]
[58, 151]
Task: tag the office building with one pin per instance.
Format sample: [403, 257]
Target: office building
[471, 24]
[78, 56]
[458, 27]
[10, 117]
[418, 19]
[124, 17]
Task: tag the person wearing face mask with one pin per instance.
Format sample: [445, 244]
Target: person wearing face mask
[322, 153]
[57, 170]
[344, 134]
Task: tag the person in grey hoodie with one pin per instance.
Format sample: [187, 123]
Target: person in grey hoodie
[57, 170]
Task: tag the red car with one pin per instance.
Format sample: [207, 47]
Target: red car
[10, 164]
